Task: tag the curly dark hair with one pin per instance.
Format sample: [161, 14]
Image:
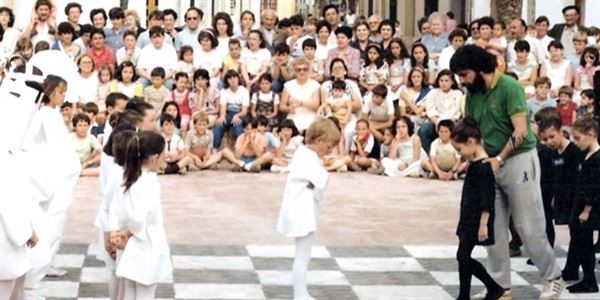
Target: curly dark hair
[471, 57]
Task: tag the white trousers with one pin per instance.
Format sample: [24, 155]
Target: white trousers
[300, 267]
[136, 291]
[11, 289]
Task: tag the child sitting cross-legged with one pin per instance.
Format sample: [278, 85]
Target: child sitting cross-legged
[365, 149]
[249, 150]
[290, 140]
[86, 145]
[176, 154]
[199, 142]
[444, 159]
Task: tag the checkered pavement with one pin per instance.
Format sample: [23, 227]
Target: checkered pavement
[263, 272]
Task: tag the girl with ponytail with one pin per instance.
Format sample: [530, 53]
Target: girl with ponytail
[475, 226]
[142, 249]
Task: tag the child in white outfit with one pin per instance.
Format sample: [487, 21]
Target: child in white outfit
[304, 189]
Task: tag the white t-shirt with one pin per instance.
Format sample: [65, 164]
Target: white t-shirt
[150, 58]
[175, 145]
[87, 88]
[378, 113]
[445, 56]
[296, 49]
[254, 61]
[367, 147]
[208, 60]
[268, 97]
[235, 100]
[437, 146]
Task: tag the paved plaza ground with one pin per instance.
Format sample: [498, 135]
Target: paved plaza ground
[377, 238]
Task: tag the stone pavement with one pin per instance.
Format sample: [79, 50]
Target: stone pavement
[377, 238]
[263, 272]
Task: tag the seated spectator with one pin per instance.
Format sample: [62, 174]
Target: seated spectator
[441, 151]
[413, 95]
[419, 57]
[541, 98]
[199, 142]
[232, 61]
[396, 56]
[249, 150]
[281, 67]
[126, 81]
[223, 29]
[442, 103]
[457, 39]
[208, 57]
[374, 71]
[157, 94]
[406, 157]
[566, 107]
[99, 52]
[350, 55]
[265, 102]
[378, 110]
[87, 146]
[290, 140]
[525, 69]
[437, 40]
[105, 77]
[557, 68]
[255, 60]
[587, 104]
[155, 19]
[297, 36]
[65, 42]
[130, 51]
[206, 97]
[234, 102]
[84, 40]
[364, 152]
[317, 69]
[338, 105]
[176, 155]
[157, 54]
[589, 65]
[86, 83]
[579, 45]
[301, 98]
[182, 95]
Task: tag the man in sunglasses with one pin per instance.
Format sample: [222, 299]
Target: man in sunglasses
[189, 35]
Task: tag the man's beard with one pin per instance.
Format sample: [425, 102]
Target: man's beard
[478, 84]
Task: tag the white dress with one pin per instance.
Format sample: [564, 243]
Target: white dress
[146, 258]
[405, 155]
[299, 208]
[557, 75]
[302, 116]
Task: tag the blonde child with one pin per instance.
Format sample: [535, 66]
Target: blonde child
[87, 146]
[265, 102]
[566, 107]
[143, 254]
[304, 190]
[441, 147]
[374, 71]
[186, 61]
[105, 76]
[176, 155]
[364, 150]
[290, 141]
[157, 94]
[183, 97]
[338, 104]
[406, 157]
[199, 141]
[337, 160]
[476, 223]
[232, 60]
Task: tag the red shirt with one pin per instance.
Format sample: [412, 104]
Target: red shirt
[566, 113]
[103, 58]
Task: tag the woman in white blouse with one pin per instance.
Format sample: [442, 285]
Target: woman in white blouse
[255, 60]
[301, 96]
[87, 82]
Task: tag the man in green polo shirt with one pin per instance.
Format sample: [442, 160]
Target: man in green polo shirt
[497, 103]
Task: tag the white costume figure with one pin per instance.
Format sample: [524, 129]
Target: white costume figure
[49, 151]
[146, 258]
[111, 191]
[17, 207]
[304, 189]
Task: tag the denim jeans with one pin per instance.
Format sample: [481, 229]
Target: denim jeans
[220, 130]
[427, 134]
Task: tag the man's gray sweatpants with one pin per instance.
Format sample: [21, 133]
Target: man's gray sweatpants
[518, 194]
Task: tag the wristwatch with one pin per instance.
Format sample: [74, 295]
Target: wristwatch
[499, 159]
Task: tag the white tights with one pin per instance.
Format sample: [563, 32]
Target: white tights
[300, 268]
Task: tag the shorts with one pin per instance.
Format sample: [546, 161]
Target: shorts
[247, 159]
[172, 168]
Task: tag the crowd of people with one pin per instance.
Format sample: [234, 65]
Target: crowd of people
[256, 94]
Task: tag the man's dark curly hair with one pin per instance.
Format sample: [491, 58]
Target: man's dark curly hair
[474, 58]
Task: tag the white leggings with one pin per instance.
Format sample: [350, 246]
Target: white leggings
[300, 268]
[136, 291]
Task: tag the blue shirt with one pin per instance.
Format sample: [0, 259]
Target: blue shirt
[186, 37]
[534, 106]
[113, 39]
[434, 46]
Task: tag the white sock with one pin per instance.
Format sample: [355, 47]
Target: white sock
[300, 267]
[241, 163]
[247, 166]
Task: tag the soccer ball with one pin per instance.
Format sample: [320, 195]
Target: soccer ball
[445, 160]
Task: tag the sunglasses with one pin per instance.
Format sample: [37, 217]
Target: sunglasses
[192, 18]
[301, 69]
